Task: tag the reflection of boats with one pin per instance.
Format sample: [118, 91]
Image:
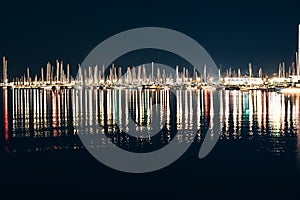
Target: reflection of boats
[68, 107]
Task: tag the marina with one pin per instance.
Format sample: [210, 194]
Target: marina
[58, 76]
[137, 77]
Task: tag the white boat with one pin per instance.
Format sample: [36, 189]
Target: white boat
[208, 87]
[47, 87]
[290, 90]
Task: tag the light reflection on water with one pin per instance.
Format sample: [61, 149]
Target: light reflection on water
[41, 120]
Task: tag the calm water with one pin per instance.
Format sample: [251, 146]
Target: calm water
[259, 146]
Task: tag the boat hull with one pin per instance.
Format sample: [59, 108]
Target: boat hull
[294, 90]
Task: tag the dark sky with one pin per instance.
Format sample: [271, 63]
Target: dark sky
[233, 32]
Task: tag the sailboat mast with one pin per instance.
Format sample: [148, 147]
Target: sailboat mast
[5, 77]
[61, 73]
[298, 55]
[152, 66]
[42, 75]
[68, 73]
[250, 70]
[57, 71]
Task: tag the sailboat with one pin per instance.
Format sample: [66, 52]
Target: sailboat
[290, 90]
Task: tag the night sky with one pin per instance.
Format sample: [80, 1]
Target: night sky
[233, 32]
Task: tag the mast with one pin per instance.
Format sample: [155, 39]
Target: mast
[183, 75]
[260, 74]
[139, 74]
[28, 75]
[48, 75]
[283, 70]
[133, 74]
[144, 74]
[61, 74]
[57, 71]
[5, 77]
[296, 72]
[152, 65]
[52, 73]
[42, 75]
[90, 76]
[158, 76]
[103, 73]
[120, 73]
[79, 75]
[68, 73]
[250, 70]
[298, 56]
[204, 73]
[115, 74]
[85, 76]
[164, 76]
[96, 74]
[177, 74]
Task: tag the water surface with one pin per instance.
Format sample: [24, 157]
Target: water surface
[258, 147]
